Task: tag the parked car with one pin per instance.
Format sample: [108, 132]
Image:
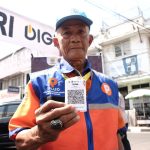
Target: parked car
[7, 109]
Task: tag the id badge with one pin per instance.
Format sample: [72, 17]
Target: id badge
[75, 93]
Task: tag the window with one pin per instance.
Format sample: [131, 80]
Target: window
[1, 111]
[145, 85]
[27, 78]
[5, 84]
[138, 86]
[122, 48]
[1, 85]
[16, 81]
[118, 51]
[11, 109]
[135, 86]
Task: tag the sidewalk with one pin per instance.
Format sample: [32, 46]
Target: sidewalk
[138, 129]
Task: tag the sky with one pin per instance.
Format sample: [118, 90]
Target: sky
[47, 11]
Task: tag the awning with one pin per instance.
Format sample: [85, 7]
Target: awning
[138, 93]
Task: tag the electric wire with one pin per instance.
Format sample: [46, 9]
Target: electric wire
[116, 13]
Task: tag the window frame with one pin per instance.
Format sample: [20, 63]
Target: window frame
[121, 48]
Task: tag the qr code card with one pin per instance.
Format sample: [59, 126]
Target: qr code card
[75, 93]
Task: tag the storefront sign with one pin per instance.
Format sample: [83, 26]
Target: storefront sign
[13, 89]
[25, 32]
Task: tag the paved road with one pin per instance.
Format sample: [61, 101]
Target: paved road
[139, 141]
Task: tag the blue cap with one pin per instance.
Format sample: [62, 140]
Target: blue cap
[75, 14]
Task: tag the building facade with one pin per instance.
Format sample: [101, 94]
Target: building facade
[126, 58]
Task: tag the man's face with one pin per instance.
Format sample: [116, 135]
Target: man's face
[73, 40]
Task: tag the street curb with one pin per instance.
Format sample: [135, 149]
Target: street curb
[138, 129]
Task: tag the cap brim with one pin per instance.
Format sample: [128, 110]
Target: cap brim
[86, 20]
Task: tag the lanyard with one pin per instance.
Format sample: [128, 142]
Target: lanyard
[85, 77]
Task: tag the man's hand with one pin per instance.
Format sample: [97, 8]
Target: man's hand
[52, 110]
[42, 133]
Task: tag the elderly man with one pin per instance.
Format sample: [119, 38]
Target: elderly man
[69, 106]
